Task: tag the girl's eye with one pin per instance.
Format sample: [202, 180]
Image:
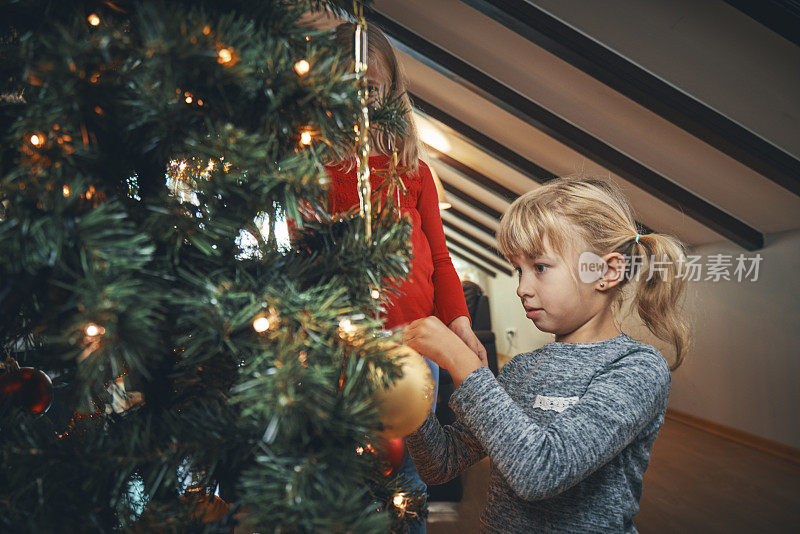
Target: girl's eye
[540, 268]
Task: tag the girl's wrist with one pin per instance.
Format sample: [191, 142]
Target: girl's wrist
[461, 363]
[466, 367]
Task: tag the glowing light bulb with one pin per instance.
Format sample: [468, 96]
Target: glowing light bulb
[36, 140]
[188, 99]
[302, 67]
[206, 30]
[305, 138]
[346, 326]
[65, 190]
[375, 294]
[93, 19]
[225, 56]
[93, 330]
[261, 324]
[399, 500]
[359, 450]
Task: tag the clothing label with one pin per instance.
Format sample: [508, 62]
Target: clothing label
[556, 404]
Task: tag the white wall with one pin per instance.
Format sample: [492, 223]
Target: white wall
[743, 370]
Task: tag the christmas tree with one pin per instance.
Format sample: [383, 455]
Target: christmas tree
[152, 151]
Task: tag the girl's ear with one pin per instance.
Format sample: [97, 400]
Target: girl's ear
[615, 271]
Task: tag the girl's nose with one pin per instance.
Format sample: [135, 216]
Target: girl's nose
[524, 289]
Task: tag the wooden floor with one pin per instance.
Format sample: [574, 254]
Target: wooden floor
[696, 482]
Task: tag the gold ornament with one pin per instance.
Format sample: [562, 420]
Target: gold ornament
[405, 404]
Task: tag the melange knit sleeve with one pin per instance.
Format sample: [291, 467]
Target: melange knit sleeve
[448, 297]
[442, 453]
[542, 461]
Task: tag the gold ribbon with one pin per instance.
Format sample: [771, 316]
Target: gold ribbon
[362, 128]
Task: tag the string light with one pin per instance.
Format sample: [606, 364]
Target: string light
[206, 30]
[37, 140]
[305, 138]
[93, 19]
[261, 324]
[348, 330]
[399, 501]
[224, 56]
[65, 190]
[302, 67]
[375, 294]
[93, 330]
[346, 326]
[360, 450]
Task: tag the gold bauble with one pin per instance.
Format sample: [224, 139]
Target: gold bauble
[406, 403]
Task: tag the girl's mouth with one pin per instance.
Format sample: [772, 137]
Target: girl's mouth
[531, 313]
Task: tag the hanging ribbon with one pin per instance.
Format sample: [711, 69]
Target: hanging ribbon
[362, 128]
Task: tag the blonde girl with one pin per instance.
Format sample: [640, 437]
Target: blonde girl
[568, 428]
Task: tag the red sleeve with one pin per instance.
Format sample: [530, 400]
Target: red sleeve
[448, 297]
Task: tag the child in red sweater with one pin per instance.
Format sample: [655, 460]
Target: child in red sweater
[432, 286]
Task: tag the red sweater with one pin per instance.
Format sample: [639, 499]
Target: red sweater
[432, 286]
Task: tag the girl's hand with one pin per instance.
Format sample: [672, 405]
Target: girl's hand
[461, 326]
[431, 338]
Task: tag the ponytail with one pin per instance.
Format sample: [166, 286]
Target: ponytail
[657, 260]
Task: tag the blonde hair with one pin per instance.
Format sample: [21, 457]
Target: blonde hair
[571, 212]
[381, 53]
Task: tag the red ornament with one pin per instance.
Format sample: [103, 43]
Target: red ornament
[26, 387]
[394, 452]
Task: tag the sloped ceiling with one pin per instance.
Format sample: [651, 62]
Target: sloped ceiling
[510, 96]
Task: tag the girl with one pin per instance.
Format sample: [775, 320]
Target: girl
[432, 286]
[568, 428]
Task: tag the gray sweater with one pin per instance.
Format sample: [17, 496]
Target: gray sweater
[568, 430]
